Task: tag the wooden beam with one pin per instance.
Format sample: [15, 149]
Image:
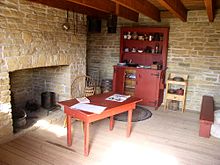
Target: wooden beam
[103, 5]
[141, 6]
[166, 14]
[127, 13]
[90, 11]
[109, 7]
[73, 7]
[176, 7]
[210, 9]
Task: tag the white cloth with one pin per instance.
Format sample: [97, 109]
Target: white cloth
[215, 129]
[217, 116]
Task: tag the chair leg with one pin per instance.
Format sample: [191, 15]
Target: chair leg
[65, 122]
[165, 105]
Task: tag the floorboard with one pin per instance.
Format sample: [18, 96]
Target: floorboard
[168, 137]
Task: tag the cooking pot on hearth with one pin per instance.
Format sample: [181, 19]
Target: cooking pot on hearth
[48, 99]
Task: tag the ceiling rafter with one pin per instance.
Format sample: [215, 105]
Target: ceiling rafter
[108, 7]
[130, 9]
[210, 9]
[127, 13]
[141, 6]
[176, 7]
[65, 5]
[103, 5]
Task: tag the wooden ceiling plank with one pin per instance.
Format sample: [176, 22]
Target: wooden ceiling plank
[166, 14]
[210, 9]
[176, 7]
[91, 8]
[103, 5]
[110, 7]
[141, 6]
[128, 14]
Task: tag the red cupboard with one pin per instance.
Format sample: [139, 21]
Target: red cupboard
[143, 63]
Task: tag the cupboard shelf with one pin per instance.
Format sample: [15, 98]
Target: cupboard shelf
[170, 84]
[132, 79]
[137, 53]
[129, 87]
[148, 83]
[142, 41]
[177, 82]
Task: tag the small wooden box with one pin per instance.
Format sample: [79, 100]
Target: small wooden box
[154, 66]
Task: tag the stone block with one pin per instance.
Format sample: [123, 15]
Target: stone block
[211, 79]
[27, 37]
[25, 61]
[5, 99]
[4, 80]
[4, 87]
[214, 68]
[12, 63]
[206, 53]
[5, 93]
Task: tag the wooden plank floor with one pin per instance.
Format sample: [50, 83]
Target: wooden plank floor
[166, 138]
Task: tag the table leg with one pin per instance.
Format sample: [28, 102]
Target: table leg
[111, 125]
[86, 138]
[69, 133]
[129, 122]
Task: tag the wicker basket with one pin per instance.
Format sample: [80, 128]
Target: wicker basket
[89, 91]
[173, 105]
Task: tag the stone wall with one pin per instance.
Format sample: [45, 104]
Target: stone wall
[31, 36]
[21, 87]
[53, 79]
[194, 49]
[102, 52]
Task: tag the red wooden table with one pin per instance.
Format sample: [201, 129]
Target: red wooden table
[112, 109]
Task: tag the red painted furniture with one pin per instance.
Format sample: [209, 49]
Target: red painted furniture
[112, 109]
[149, 83]
[206, 116]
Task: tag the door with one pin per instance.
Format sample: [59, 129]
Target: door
[147, 86]
[118, 79]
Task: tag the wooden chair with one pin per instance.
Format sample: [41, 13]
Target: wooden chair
[82, 86]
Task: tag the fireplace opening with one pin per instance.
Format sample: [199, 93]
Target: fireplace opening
[35, 93]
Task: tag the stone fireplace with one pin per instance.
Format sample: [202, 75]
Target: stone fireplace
[34, 45]
[27, 86]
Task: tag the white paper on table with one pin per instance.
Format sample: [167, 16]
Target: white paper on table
[89, 108]
[83, 100]
[118, 97]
